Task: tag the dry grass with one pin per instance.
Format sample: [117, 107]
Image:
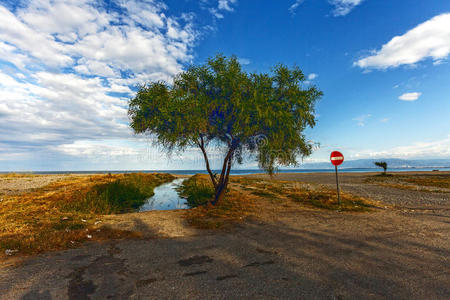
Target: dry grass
[327, 199]
[441, 181]
[311, 196]
[57, 216]
[16, 175]
[254, 197]
[422, 182]
[49, 217]
[235, 207]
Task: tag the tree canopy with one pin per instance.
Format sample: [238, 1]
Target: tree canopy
[220, 104]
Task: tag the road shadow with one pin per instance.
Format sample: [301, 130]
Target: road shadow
[310, 255]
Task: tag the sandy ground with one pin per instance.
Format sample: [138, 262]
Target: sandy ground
[401, 252]
[15, 185]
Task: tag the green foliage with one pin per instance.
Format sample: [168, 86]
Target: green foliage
[196, 191]
[218, 103]
[381, 164]
[121, 195]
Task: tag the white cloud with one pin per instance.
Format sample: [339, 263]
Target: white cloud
[87, 148]
[217, 9]
[384, 120]
[410, 96]
[226, 4]
[362, 120]
[71, 58]
[312, 76]
[216, 13]
[433, 149]
[430, 39]
[295, 5]
[343, 7]
[340, 7]
[38, 45]
[92, 39]
[244, 61]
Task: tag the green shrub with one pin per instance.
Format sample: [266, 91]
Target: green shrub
[196, 191]
[121, 195]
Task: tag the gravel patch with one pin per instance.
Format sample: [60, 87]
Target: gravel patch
[10, 185]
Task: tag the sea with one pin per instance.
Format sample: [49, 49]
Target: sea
[242, 171]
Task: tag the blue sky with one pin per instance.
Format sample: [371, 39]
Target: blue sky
[68, 68]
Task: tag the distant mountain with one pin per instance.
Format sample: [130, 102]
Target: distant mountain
[392, 163]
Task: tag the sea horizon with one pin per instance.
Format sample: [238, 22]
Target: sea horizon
[234, 171]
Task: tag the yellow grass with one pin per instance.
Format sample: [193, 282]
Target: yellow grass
[251, 197]
[423, 182]
[57, 216]
[235, 207]
[42, 220]
[17, 175]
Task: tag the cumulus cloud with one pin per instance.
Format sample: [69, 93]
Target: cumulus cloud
[430, 39]
[73, 76]
[410, 96]
[343, 7]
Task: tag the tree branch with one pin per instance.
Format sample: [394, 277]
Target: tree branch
[201, 144]
[224, 166]
[222, 186]
[227, 176]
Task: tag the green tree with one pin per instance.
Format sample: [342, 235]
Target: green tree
[262, 116]
[382, 164]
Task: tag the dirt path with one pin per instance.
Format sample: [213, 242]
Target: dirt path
[299, 253]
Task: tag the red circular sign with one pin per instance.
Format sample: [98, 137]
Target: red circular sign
[336, 158]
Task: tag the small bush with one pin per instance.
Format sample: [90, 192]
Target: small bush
[197, 191]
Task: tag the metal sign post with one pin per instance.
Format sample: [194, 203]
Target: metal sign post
[337, 185]
[337, 158]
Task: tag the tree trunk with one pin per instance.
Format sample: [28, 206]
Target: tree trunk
[201, 144]
[219, 193]
[221, 186]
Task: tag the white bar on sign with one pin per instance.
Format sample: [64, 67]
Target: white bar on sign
[337, 158]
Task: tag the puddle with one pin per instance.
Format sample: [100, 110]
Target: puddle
[166, 197]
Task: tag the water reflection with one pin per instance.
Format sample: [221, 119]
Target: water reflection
[166, 197]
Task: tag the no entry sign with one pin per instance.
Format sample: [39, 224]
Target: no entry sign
[336, 158]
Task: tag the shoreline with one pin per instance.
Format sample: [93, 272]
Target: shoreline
[362, 171]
